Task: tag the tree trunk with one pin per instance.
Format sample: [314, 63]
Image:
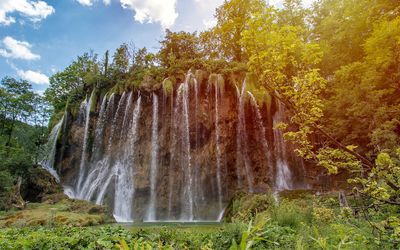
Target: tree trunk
[16, 198]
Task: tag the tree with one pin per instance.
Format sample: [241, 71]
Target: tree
[71, 83]
[341, 27]
[179, 52]
[121, 58]
[16, 98]
[359, 110]
[232, 17]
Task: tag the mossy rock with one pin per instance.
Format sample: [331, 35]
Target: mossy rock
[244, 206]
[65, 212]
[168, 86]
[40, 184]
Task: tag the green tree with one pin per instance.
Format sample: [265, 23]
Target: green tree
[232, 17]
[341, 27]
[121, 58]
[179, 52]
[16, 101]
[73, 82]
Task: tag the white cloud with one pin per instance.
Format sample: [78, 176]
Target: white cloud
[85, 2]
[209, 23]
[33, 76]
[207, 9]
[17, 49]
[34, 10]
[90, 2]
[161, 11]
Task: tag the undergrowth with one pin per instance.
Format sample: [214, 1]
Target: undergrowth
[256, 222]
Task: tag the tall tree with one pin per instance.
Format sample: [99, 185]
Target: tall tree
[232, 17]
[16, 101]
[71, 83]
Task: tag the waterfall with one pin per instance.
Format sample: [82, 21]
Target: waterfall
[187, 194]
[283, 175]
[98, 167]
[242, 147]
[98, 138]
[50, 150]
[196, 167]
[126, 120]
[260, 126]
[87, 105]
[217, 143]
[151, 211]
[116, 121]
[259, 122]
[124, 185]
[173, 144]
[172, 159]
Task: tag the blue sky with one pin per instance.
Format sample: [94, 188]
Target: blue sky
[41, 37]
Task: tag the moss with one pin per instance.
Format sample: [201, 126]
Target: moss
[217, 80]
[259, 92]
[168, 86]
[200, 75]
[65, 212]
[94, 97]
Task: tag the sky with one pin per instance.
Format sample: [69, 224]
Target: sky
[41, 37]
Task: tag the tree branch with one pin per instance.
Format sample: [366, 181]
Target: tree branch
[288, 104]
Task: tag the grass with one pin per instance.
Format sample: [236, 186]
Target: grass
[256, 222]
[66, 212]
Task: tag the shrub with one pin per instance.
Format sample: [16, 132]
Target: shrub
[289, 213]
[323, 215]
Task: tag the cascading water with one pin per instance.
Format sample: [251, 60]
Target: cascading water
[176, 164]
[98, 139]
[124, 185]
[173, 155]
[99, 164]
[217, 142]
[196, 168]
[50, 150]
[151, 211]
[241, 146]
[87, 105]
[283, 175]
[260, 124]
[187, 194]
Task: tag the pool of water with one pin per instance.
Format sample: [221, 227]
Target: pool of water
[198, 226]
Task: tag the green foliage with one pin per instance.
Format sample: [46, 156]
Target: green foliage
[334, 159]
[382, 182]
[168, 86]
[71, 84]
[291, 214]
[6, 182]
[232, 17]
[179, 52]
[334, 69]
[306, 223]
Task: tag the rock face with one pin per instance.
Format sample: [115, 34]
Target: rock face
[182, 159]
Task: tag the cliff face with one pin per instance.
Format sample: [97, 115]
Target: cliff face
[176, 155]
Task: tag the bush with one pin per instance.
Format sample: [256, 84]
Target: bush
[323, 215]
[291, 214]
